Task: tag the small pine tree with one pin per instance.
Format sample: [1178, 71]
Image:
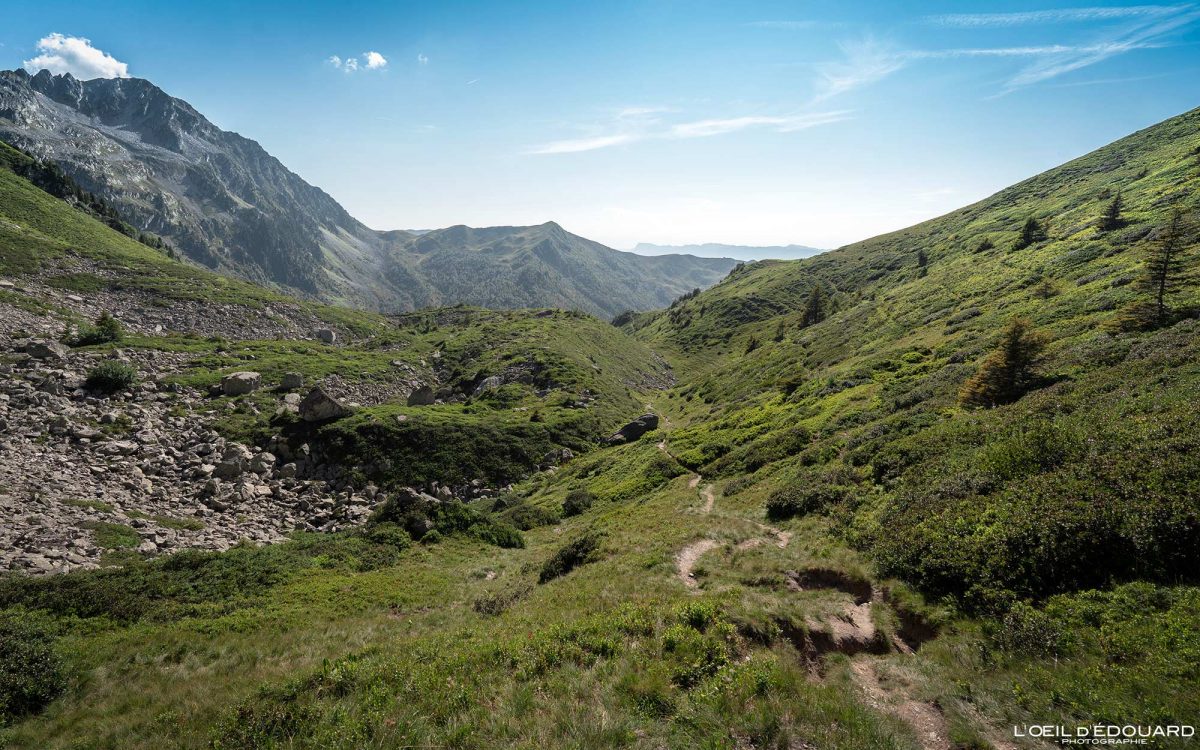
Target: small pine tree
[1165, 270]
[752, 344]
[922, 259]
[1030, 233]
[1111, 218]
[814, 308]
[985, 245]
[1009, 371]
[780, 332]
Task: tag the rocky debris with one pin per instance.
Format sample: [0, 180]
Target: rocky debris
[142, 311]
[326, 335]
[319, 406]
[421, 396]
[291, 381]
[635, 429]
[147, 461]
[240, 383]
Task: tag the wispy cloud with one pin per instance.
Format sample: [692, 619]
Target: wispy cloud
[575, 145]
[71, 54]
[422, 59]
[787, 124]
[1060, 15]
[374, 60]
[864, 62]
[638, 124]
[868, 61]
[1141, 36]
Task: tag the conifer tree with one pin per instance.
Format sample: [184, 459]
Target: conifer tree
[1112, 219]
[814, 308]
[1165, 269]
[1030, 233]
[1009, 371]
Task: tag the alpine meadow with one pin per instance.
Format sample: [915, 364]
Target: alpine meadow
[271, 478]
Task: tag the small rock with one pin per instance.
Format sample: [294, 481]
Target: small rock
[238, 383]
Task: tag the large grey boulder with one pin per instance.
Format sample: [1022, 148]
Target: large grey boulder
[46, 350]
[319, 406]
[327, 335]
[240, 383]
[422, 396]
[292, 381]
[635, 429]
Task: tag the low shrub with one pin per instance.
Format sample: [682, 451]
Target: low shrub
[31, 674]
[574, 553]
[578, 500]
[105, 330]
[111, 376]
[798, 500]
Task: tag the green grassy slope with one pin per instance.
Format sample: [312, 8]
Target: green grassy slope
[1075, 485]
[1050, 544]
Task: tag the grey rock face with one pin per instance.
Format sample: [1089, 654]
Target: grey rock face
[46, 350]
[319, 406]
[239, 383]
[292, 381]
[422, 396]
[489, 383]
[635, 429]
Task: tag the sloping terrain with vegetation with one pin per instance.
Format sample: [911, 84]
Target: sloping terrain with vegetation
[910, 493]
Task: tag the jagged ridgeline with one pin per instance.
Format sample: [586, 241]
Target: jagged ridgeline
[228, 205]
[905, 494]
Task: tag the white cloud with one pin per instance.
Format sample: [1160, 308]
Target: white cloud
[786, 124]
[1061, 15]
[75, 55]
[575, 145]
[422, 59]
[368, 61]
[635, 124]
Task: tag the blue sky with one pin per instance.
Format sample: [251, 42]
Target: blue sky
[816, 123]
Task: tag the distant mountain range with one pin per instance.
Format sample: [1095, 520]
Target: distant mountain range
[740, 252]
[227, 204]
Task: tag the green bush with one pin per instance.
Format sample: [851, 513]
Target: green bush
[105, 330]
[574, 553]
[578, 500]
[111, 376]
[525, 516]
[801, 499]
[31, 674]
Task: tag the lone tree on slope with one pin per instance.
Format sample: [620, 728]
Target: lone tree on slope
[1031, 232]
[1009, 371]
[1111, 218]
[1164, 272]
[814, 308]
